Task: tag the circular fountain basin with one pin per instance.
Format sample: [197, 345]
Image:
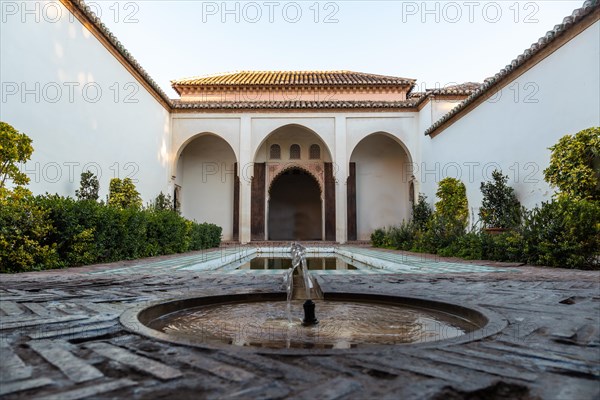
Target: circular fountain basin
[347, 321]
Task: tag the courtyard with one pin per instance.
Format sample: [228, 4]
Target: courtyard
[62, 339]
[294, 229]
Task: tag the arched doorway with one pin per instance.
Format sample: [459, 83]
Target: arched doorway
[379, 185]
[205, 180]
[295, 207]
[298, 151]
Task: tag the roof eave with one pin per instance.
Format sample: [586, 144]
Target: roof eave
[573, 25]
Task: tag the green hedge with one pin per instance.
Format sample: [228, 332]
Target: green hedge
[51, 231]
[562, 233]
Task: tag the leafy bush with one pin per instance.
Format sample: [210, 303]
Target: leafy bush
[500, 207]
[52, 231]
[72, 232]
[203, 236]
[402, 237]
[23, 227]
[378, 237]
[167, 232]
[575, 165]
[562, 233]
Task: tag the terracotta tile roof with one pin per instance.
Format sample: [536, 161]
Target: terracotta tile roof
[294, 78]
[279, 105]
[463, 89]
[587, 8]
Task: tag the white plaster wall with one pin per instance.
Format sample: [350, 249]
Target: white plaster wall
[382, 197]
[515, 128]
[207, 182]
[125, 136]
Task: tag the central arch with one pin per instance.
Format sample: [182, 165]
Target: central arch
[295, 207]
[293, 150]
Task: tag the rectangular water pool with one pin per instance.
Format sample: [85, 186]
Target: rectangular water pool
[313, 263]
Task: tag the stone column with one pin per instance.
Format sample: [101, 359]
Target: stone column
[246, 171]
[340, 162]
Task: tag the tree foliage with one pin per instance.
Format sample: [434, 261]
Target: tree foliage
[421, 212]
[88, 187]
[123, 194]
[15, 148]
[24, 227]
[575, 165]
[162, 202]
[500, 207]
[452, 209]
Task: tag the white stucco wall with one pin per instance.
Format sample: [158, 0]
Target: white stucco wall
[514, 129]
[80, 106]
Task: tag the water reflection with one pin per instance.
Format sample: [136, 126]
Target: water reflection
[313, 263]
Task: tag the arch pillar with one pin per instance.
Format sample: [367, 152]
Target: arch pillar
[246, 172]
[340, 172]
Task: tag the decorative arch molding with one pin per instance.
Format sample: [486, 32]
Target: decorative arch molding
[314, 169]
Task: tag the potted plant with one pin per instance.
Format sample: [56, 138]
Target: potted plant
[500, 209]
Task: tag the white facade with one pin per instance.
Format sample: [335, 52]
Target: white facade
[127, 131]
[513, 130]
[81, 106]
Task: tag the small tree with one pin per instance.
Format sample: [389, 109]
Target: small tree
[575, 165]
[500, 207]
[88, 187]
[123, 194]
[451, 213]
[162, 202]
[15, 148]
[421, 212]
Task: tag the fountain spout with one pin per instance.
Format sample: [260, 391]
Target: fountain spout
[299, 259]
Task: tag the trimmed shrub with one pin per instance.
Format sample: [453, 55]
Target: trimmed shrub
[52, 231]
[378, 237]
[204, 236]
[23, 228]
[500, 207]
[167, 233]
[562, 233]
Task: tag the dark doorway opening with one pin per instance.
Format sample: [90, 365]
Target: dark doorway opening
[295, 207]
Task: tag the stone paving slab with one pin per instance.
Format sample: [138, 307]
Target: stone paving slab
[152, 367]
[549, 350]
[74, 368]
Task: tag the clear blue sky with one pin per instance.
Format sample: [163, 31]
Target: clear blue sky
[437, 43]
